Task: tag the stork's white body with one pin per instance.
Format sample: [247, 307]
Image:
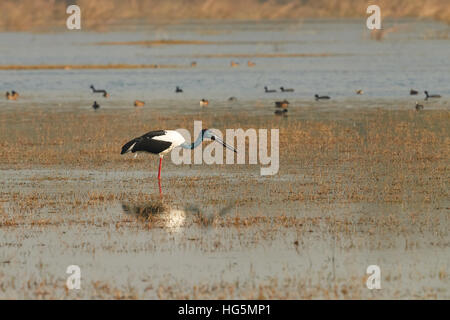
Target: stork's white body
[171, 136]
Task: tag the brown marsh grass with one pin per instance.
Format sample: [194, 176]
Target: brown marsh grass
[388, 156]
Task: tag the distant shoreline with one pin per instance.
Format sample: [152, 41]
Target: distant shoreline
[32, 15]
[87, 66]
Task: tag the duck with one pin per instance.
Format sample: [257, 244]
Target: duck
[282, 104]
[413, 92]
[360, 91]
[269, 91]
[178, 90]
[12, 96]
[251, 64]
[282, 112]
[418, 106]
[234, 64]
[105, 94]
[286, 90]
[95, 106]
[204, 103]
[15, 95]
[193, 63]
[431, 96]
[321, 97]
[232, 99]
[139, 103]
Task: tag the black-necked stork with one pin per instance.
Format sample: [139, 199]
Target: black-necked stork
[431, 96]
[161, 142]
[321, 97]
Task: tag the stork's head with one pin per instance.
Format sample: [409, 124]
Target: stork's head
[208, 134]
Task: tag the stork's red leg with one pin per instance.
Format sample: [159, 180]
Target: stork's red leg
[159, 171]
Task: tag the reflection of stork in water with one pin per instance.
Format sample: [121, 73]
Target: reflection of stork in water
[172, 217]
[158, 212]
[162, 142]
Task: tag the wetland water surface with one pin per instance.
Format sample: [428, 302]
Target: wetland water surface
[363, 180]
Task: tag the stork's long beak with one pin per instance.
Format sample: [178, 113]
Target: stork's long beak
[223, 143]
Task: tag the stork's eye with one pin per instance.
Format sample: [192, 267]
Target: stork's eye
[213, 138]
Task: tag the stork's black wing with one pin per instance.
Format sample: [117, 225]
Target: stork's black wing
[147, 143]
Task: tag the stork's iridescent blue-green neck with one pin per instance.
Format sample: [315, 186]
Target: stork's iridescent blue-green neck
[205, 134]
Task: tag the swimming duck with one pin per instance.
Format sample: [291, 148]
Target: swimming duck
[204, 103]
[251, 64]
[431, 96]
[282, 104]
[178, 90]
[12, 96]
[321, 97]
[269, 91]
[234, 64]
[139, 103]
[286, 90]
[360, 91]
[105, 94]
[413, 92]
[193, 63]
[232, 99]
[15, 95]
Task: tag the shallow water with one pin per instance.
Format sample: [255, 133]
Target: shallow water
[191, 245]
[413, 57]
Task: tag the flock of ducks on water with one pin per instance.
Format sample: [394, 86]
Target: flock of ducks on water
[281, 106]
